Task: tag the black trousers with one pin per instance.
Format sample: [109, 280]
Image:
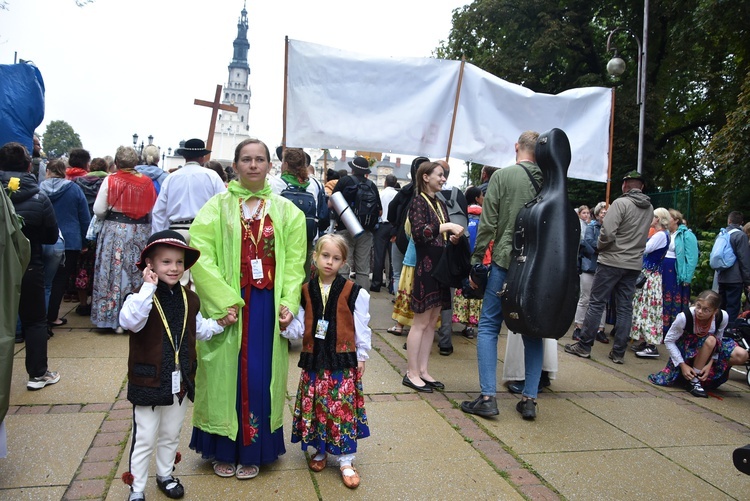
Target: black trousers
[33, 316]
[381, 245]
[60, 283]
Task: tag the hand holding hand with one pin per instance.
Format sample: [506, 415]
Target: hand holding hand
[285, 317]
[149, 277]
[230, 318]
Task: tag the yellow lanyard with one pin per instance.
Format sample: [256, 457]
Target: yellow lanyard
[169, 332]
[438, 213]
[324, 293]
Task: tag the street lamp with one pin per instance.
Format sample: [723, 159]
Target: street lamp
[616, 67]
[139, 147]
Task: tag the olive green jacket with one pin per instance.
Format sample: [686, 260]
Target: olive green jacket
[509, 189]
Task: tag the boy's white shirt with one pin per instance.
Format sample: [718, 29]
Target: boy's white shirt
[362, 332]
[137, 307]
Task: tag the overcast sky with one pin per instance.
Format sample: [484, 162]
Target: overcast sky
[117, 67]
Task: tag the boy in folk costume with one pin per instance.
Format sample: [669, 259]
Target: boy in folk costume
[163, 322]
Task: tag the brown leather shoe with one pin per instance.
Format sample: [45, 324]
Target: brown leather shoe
[351, 481]
[317, 466]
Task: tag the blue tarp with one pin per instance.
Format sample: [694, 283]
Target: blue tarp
[21, 103]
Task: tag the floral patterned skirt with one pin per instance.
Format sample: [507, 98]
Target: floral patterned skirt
[402, 309]
[115, 275]
[466, 311]
[329, 412]
[689, 347]
[647, 310]
[676, 295]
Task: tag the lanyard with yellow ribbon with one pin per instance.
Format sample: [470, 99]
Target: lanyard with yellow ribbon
[175, 347]
[438, 213]
[324, 293]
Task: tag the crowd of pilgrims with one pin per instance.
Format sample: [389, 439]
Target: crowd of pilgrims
[89, 236]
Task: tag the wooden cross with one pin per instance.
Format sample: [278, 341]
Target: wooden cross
[215, 106]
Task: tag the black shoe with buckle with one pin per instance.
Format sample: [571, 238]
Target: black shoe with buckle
[481, 406]
[171, 487]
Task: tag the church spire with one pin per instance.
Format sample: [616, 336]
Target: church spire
[241, 45]
[237, 89]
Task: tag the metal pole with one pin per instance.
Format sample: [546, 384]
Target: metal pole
[642, 87]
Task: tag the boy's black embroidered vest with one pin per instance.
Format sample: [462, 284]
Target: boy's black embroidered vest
[151, 357]
[337, 351]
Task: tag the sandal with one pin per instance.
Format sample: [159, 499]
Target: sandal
[351, 481]
[246, 472]
[395, 330]
[316, 465]
[224, 470]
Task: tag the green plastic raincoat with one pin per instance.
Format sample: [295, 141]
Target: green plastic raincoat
[14, 257]
[217, 233]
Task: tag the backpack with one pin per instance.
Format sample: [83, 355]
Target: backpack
[365, 202]
[324, 213]
[722, 253]
[455, 213]
[305, 202]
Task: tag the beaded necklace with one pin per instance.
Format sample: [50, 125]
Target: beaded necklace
[247, 223]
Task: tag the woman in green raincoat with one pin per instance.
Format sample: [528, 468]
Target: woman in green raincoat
[253, 246]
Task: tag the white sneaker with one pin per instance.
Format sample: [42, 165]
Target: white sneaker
[649, 351]
[37, 383]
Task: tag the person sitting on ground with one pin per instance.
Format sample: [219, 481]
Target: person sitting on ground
[699, 353]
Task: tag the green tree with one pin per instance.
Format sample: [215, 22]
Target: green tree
[59, 138]
[698, 59]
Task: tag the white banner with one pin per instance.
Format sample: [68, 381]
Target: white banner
[341, 100]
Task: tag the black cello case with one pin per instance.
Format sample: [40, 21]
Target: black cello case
[541, 289]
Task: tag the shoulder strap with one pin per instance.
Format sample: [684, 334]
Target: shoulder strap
[537, 188]
[688, 320]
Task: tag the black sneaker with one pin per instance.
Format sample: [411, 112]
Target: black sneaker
[697, 390]
[649, 351]
[636, 347]
[527, 408]
[481, 406]
[601, 336]
[616, 358]
[577, 349]
[446, 351]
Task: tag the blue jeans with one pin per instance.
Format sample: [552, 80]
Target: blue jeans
[53, 255]
[533, 356]
[608, 280]
[490, 321]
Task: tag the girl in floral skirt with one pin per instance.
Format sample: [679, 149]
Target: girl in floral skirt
[329, 412]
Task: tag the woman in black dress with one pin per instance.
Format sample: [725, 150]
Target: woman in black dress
[430, 230]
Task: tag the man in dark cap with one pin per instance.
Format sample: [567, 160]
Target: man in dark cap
[621, 243]
[185, 191]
